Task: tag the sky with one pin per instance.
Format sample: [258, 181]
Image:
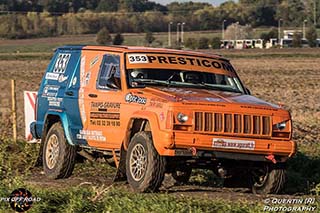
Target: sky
[214, 2]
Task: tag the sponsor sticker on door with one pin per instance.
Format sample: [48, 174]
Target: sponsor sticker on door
[233, 144]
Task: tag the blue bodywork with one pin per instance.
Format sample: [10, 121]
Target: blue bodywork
[58, 94]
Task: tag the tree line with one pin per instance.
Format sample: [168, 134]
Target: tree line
[41, 18]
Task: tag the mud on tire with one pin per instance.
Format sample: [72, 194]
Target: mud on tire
[270, 180]
[145, 168]
[58, 156]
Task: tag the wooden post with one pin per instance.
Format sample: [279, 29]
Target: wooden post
[14, 111]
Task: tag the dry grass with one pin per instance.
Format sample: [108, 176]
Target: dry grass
[295, 82]
[28, 76]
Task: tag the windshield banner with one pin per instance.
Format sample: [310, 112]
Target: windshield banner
[183, 62]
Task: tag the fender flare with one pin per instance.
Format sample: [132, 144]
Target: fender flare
[65, 124]
[154, 125]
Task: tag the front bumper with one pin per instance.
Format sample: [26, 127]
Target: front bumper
[33, 130]
[225, 144]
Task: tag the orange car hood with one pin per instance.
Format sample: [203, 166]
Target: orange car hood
[203, 95]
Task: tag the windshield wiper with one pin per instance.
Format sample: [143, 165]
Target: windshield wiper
[151, 81]
[210, 86]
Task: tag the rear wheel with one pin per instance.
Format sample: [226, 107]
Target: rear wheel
[269, 179]
[145, 168]
[58, 156]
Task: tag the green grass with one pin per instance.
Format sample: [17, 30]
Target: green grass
[115, 199]
[17, 160]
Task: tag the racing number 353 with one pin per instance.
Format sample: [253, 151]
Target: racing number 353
[138, 59]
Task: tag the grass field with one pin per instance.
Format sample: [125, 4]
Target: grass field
[288, 76]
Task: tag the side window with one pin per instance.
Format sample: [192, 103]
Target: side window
[109, 73]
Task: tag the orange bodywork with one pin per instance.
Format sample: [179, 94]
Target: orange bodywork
[217, 121]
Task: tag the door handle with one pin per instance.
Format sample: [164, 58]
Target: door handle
[91, 95]
[69, 93]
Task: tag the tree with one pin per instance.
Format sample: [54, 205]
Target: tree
[292, 12]
[296, 40]
[311, 36]
[149, 37]
[118, 39]
[215, 43]
[203, 43]
[107, 5]
[191, 43]
[236, 31]
[273, 33]
[103, 36]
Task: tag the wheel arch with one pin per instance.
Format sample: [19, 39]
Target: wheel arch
[52, 118]
[141, 121]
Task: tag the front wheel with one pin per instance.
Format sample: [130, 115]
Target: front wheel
[145, 168]
[58, 156]
[269, 179]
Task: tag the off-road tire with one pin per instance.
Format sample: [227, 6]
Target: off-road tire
[65, 159]
[151, 178]
[182, 175]
[274, 181]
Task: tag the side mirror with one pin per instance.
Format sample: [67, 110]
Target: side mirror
[248, 92]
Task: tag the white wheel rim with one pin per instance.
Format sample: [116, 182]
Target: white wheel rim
[52, 151]
[138, 162]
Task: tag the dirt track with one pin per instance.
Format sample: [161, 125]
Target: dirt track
[194, 190]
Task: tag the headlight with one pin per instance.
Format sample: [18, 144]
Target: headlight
[281, 126]
[182, 118]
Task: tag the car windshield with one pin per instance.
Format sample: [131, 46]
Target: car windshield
[183, 78]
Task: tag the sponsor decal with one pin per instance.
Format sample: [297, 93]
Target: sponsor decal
[50, 91]
[94, 61]
[61, 63]
[103, 115]
[180, 91]
[87, 78]
[191, 61]
[52, 76]
[62, 78]
[155, 102]
[137, 58]
[130, 98]
[74, 81]
[233, 144]
[161, 116]
[104, 122]
[91, 135]
[54, 103]
[181, 60]
[81, 90]
[104, 106]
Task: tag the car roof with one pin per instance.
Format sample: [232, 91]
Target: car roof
[141, 49]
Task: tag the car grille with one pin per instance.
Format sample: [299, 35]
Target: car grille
[227, 123]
